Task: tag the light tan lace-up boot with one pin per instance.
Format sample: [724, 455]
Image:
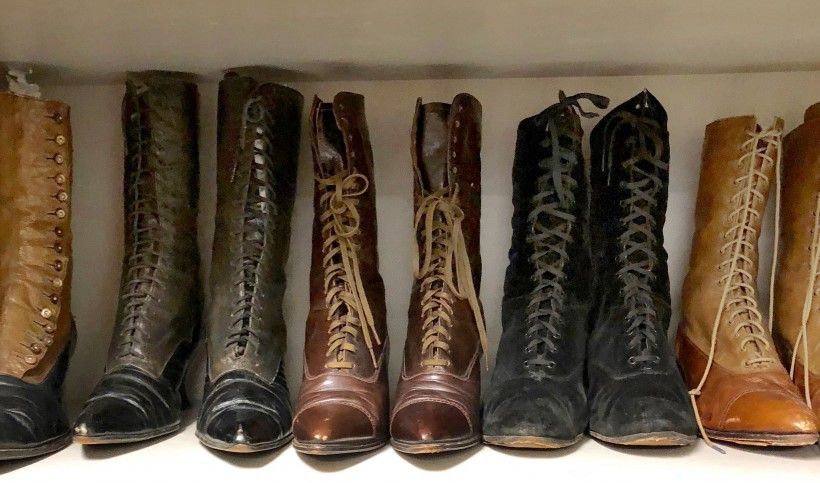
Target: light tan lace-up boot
[797, 286]
[742, 392]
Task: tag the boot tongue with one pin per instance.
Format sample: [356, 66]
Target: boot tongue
[329, 141]
[433, 148]
[812, 113]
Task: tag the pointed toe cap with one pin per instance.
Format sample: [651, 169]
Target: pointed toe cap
[771, 412]
[430, 421]
[246, 425]
[112, 414]
[329, 422]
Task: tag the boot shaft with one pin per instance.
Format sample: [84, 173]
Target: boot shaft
[445, 323]
[797, 286]
[346, 329]
[739, 160]
[546, 286]
[630, 183]
[35, 235]
[258, 133]
[159, 296]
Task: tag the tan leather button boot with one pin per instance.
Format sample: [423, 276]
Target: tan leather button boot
[36, 329]
[343, 402]
[742, 392]
[797, 286]
[437, 400]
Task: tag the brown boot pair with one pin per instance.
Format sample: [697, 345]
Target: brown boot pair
[732, 356]
[343, 404]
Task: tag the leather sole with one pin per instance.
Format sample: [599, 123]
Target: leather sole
[50, 446]
[763, 439]
[658, 438]
[243, 447]
[530, 442]
[347, 446]
[124, 438]
[442, 446]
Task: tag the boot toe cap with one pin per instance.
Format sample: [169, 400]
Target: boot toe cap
[330, 422]
[245, 425]
[547, 416]
[770, 412]
[113, 414]
[430, 421]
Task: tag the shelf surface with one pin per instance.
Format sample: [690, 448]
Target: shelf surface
[93, 40]
[182, 458]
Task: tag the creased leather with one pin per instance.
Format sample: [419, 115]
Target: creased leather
[337, 404]
[442, 402]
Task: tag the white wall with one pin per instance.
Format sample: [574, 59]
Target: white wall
[692, 101]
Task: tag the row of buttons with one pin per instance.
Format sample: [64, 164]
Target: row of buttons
[60, 212]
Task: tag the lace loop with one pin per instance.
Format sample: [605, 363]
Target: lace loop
[348, 309]
[444, 269]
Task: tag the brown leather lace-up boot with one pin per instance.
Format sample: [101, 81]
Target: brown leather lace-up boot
[36, 329]
[343, 402]
[742, 392]
[797, 286]
[437, 400]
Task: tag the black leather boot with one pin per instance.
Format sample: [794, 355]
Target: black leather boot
[139, 396]
[636, 393]
[536, 397]
[246, 406]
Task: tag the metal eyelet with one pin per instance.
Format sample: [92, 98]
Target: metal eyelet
[60, 140]
[56, 117]
[58, 265]
[57, 282]
[58, 231]
[61, 196]
[54, 298]
[60, 179]
[632, 360]
[46, 313]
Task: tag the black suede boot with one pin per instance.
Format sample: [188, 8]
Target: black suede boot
[636, 393]
[536, 397]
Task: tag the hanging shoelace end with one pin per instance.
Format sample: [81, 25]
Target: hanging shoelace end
[692, 395]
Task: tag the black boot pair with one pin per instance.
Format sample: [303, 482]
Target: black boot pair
[586, 297]
[246, 405]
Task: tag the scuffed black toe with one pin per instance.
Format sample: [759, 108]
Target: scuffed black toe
[128, 406]
[243, 414]
[535, 414]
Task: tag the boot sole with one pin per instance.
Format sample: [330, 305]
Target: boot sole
[763, 439]
[658, 438]
[241, 447]
[415, 447]
[349, 446]
[51, 446]
[125, 438]
[530, 442]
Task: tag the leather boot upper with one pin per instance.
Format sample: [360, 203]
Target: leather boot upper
[439, 387]
[797, 286]
[36, 328]
[344, 393]
[159, 303]
[537, 387]
[635, 389]
[724, 346]
[258, 132]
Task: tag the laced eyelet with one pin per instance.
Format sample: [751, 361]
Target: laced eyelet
[632, 361]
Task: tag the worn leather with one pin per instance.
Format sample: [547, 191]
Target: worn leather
[798, 207]
[439, 405]
[35, 273]
[635, 389]
[537, 388]
[258, 148]
[343, 409]
[159, 311]
[749, 400]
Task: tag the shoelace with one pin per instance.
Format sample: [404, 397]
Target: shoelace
[345, 296]
[144, 258]
[739, 283]
[638, 242]
[551, 226]
[443, 269]
[260, 211]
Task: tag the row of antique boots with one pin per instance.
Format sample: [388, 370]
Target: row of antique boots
[586, 300]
